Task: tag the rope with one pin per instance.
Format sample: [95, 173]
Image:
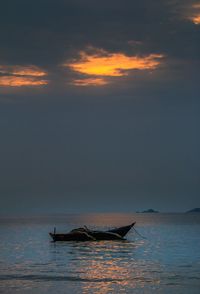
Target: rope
[139, 234]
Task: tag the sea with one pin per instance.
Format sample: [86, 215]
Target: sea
[161, 256]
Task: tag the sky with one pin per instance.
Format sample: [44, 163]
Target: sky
[99, 106]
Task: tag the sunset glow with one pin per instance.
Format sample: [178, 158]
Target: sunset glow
[90, 82]
[196, 19]
[14, 81]
[113, 65]
[99, 146]
[195, 14]
[30, 70]
[18, 76]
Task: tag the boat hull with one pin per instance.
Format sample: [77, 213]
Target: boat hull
[71, 237]
[84, 234]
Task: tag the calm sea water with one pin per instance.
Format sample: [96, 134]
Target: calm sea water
[167, 261]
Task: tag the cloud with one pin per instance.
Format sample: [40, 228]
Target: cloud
[196, 19]
[192, 13]
[15, 81]
[19, 76]
[137, 29]
[29, 70]
[104, 64]
[196, 14]
[90, 82]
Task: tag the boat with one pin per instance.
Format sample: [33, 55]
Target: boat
[85, 234]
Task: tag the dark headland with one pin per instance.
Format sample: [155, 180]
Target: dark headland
[150, 210]
[194, 210]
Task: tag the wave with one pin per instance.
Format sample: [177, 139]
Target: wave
[56, 278]
[49, 278]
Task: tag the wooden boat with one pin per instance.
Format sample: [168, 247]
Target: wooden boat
[85, 234]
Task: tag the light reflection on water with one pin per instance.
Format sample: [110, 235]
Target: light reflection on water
[111, 265]
[167, 261]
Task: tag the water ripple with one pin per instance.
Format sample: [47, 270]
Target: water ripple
[168, 261]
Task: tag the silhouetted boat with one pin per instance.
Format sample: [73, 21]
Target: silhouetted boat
[85, 234]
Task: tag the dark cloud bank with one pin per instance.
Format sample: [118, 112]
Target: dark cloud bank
[131, 145]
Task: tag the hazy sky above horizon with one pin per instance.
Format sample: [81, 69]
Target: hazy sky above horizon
[99, 105]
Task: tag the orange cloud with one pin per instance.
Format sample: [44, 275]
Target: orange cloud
[29, 70]
[90, 82]
[113, 64]
[194, 13]
[196, 19]
[19, 76]
[14, 81]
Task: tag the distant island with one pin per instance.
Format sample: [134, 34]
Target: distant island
[194, 210]
[150, 210]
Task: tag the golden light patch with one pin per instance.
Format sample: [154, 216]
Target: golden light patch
[196, 19]
[29, 70]
[14, 81]
[113, 65]
[19, 76]
[194, 13]
[90, 82]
